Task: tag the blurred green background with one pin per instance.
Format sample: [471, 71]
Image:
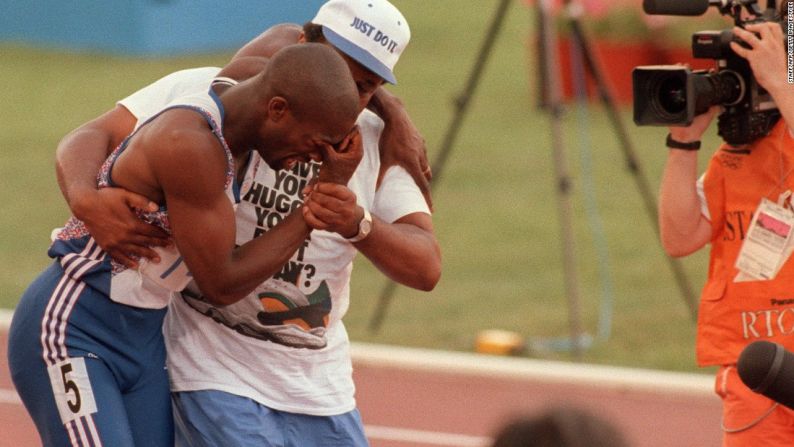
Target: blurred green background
[495, 205]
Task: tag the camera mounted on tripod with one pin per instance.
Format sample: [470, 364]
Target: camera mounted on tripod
[672, 95]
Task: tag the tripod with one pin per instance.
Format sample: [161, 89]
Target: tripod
[593, 67]
[553, 105]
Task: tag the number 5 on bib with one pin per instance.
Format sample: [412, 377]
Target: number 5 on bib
[71, 388]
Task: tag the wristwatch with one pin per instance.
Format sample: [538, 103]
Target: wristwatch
[364, 227]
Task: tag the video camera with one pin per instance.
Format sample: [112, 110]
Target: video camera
[672, 95]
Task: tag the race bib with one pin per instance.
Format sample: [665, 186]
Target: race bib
[72, 389]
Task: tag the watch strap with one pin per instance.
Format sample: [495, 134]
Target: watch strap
[364, 228]
[675, 144]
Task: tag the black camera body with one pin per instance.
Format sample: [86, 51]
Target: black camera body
[672, 95]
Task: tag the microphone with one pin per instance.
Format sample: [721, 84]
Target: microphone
[675, 7]
[768, 369]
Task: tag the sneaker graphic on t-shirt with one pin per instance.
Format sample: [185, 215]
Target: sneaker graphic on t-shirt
[276, 311]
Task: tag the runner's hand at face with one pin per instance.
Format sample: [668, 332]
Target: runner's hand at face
[341, 162]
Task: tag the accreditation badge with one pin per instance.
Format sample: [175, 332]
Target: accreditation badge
[768, 243]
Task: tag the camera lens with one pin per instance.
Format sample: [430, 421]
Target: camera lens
[664, 95]
[671, 94]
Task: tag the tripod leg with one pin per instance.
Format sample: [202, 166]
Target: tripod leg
[633, 164]
[462, 101]
[461, 106]
[553, 92]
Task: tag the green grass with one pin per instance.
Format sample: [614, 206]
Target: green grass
[496, 206]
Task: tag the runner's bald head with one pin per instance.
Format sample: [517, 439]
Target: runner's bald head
[314, 80]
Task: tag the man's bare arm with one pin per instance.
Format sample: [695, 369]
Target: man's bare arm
[401, 143]
[200, 214]
[683, 227]
[406, 251]
[107, 213]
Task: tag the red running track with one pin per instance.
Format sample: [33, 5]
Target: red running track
[416, 398]
[474, 395]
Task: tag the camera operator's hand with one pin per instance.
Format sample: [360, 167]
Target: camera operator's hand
[767, 58]
[766, 55]
[694, 131]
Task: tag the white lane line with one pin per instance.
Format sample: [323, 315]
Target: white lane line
[544, 371]
[5, 318]
[9, 396]
[423, 437]
[419, 437]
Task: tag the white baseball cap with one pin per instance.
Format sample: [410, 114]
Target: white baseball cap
[373, 32]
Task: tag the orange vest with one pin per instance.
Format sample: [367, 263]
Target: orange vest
[734, 314]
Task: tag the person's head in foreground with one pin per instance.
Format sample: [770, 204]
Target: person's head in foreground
[559, 427]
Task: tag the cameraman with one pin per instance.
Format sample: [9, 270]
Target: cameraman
[735, 308]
